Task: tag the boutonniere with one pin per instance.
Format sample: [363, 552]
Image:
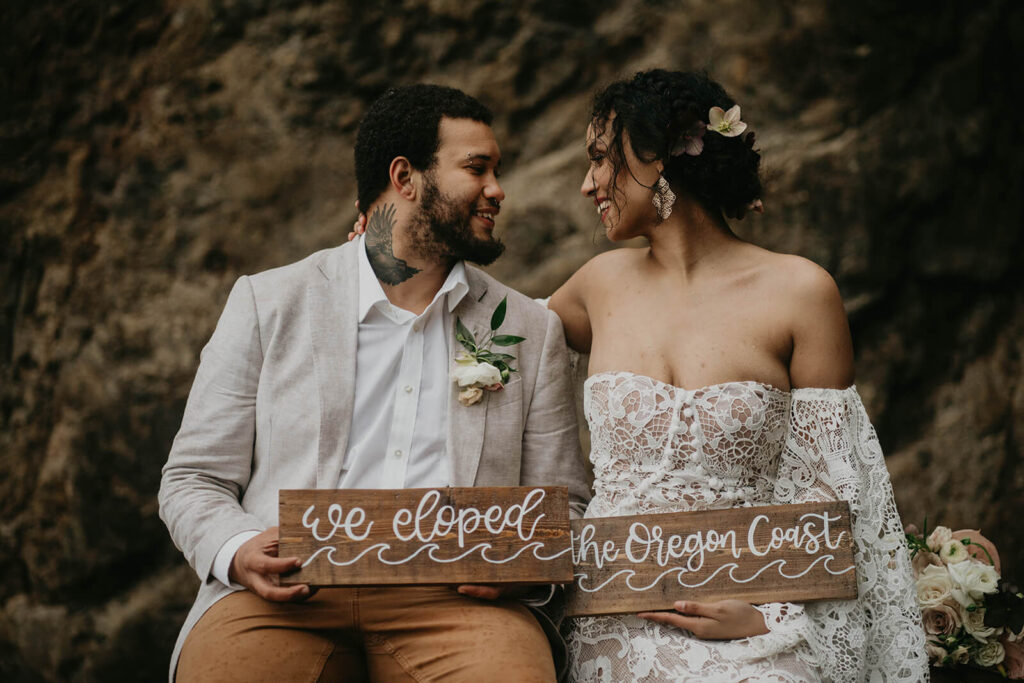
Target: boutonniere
[477, 367]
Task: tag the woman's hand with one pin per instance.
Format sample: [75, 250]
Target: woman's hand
[360, 225]
[724, 620]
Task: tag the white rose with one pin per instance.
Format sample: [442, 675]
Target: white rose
[937, 537]
[470, 395]
[972, 580]
[935, 652]
[952, 552]
[990, 654]
[974, 624]
[933, 586]
[960, 655]
[479, 374]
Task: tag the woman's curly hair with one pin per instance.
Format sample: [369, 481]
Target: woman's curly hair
[656, 109]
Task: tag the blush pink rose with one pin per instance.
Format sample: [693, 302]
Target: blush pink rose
[922, 559]
[1014, 659]
[974, 550]
[940, 620]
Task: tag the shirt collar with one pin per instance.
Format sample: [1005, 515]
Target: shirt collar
[371, 294]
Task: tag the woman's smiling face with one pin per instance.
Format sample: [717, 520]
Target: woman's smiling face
[622, 195]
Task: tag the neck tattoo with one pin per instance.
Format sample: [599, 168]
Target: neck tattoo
[388, 268]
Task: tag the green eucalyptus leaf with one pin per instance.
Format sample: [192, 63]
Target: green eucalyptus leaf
[508, 340]
[495, 358]
[498, 316]
[464, 336]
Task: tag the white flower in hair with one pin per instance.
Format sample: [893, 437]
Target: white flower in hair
[726, 123]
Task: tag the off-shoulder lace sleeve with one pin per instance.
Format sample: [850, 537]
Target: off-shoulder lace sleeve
[832, 452]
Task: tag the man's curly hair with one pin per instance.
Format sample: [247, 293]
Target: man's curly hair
[404, 122]
[655, 109]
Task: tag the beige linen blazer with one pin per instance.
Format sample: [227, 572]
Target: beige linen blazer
[271, 408]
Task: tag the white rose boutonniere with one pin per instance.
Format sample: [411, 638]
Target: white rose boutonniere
[477, 368]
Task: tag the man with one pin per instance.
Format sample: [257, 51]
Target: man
[333, 372]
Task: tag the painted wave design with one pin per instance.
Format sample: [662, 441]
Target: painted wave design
[731, 566]
[431, 549]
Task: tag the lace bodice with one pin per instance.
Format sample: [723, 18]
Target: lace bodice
[661, 448]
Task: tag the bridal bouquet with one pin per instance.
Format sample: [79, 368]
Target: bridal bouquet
[971, 616]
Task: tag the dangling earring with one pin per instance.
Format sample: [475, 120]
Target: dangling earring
[663, 198]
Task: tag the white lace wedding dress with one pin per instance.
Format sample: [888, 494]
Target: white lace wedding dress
[659, 448]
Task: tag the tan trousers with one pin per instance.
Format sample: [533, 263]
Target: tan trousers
[366, 634]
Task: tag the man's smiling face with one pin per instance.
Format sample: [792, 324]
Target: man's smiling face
[461, 196]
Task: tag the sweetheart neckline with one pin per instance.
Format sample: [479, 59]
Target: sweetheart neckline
[706, 387]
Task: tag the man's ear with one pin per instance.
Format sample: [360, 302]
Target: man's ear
[401, 174]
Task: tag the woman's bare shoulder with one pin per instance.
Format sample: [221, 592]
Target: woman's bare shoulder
[606, 269]
[798, 280]
[808, 298]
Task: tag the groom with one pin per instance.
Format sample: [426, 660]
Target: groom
[333, 372]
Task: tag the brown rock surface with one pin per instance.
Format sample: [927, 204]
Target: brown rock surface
[152, 152]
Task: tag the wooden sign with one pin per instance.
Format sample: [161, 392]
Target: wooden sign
[777, 553]
[371, 537]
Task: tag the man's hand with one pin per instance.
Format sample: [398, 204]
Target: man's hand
[360, 225]
[724, 620]
[509, 591]
[257, 567]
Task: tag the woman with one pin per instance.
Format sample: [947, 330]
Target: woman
[721, 376]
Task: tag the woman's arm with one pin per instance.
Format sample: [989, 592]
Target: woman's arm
[569, 302]
[822, 354]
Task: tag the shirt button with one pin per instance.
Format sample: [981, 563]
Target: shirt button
[694, 428]
[687, 413]
[417, 327]
[408, 389]
[398, 453]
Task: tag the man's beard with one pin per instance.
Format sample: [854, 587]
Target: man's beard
[441, 229]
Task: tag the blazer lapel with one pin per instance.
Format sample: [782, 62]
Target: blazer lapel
[334, 296]
[466, 423]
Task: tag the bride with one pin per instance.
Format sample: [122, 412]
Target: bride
[721, 375]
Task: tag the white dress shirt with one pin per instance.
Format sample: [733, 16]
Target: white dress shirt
[399, 428]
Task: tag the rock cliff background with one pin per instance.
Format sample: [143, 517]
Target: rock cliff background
[150, 152]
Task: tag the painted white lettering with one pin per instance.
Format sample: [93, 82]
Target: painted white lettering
[635, 531]
[349, 525]
[751, 532]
